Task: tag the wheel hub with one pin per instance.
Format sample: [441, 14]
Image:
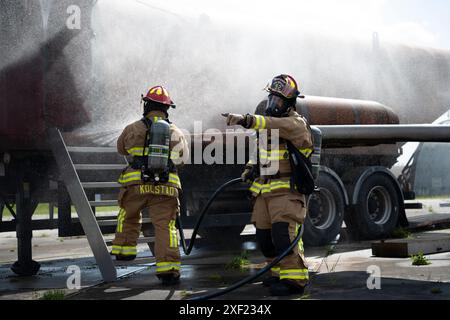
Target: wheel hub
[322, 209]
[379, 205]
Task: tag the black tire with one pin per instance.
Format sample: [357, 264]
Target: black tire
[376, 213]
[325, 213]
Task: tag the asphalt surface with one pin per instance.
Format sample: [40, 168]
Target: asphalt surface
[340, 272]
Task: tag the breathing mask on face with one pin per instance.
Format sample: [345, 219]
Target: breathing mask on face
[277, 106]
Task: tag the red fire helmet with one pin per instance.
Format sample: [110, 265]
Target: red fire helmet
[159, 94]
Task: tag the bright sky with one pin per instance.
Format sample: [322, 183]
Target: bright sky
[419, 22]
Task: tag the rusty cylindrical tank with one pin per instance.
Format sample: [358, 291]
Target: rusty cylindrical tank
[335, 111]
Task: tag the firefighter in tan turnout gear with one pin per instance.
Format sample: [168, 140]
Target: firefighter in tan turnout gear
[279, 210]
[151, 181]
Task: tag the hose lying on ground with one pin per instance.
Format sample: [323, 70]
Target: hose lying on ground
[187, 250]
[255, 276]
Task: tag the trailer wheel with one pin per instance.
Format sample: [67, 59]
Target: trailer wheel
[325, 213]
[377, 210]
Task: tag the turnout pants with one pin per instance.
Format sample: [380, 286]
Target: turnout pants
[277, 218]
[163, 212]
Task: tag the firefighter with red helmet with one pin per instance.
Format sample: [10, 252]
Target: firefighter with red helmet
[279, 209]
[151, 181]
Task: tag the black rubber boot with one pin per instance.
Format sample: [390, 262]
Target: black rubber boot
[286, 288]
[120, 257]
[169, 279]
[270, 281]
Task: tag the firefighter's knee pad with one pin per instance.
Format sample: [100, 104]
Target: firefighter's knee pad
[281, 238]
[264, 238]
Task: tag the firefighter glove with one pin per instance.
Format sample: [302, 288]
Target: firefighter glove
[238, 119]
[248, 176]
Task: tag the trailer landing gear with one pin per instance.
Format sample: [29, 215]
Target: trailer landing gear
[25, 265]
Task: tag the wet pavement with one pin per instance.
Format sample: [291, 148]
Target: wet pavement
[339, 272]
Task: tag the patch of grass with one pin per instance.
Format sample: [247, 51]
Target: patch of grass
[305, 297]
[436, 291]
[185, 294]
[239, 261]
[42, 209]
[107, 209]
[330, 251]
[433, 197]
[401, 233]
[44, 235]
[420, 260]
[54, 295]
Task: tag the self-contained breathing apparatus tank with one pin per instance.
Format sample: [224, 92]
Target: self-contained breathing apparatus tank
[157, 162]
[305, 169]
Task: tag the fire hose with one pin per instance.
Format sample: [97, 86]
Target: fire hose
[187, 250]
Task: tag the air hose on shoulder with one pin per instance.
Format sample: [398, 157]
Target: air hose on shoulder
[187, 250]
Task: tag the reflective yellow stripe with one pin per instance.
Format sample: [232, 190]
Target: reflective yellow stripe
[283, 185]
[167, 266]
[136, 176]
[124, 250]
[274, 154]
[175, 179]
[131, 252]
[175, 155]
[116, 249]
[173, 241]
[120, 219]
[306, 152]
[275, 151]
[163, 264]
[124, 213]
[260, 123]
[282, 154]
[295, 274]
[267, 188]
[257, 122]
[300, 242]
[263, 126]
[137, 151]
[130, 177]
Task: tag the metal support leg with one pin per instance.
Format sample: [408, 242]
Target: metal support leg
[25, 265]
[51, 211]
[64, 212]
